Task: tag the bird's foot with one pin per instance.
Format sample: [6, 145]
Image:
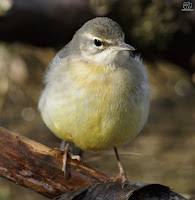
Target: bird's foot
[54, 149]
[74, 157]
[120, 178]
[65, 157]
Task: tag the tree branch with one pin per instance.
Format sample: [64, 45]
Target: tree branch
[38, 167]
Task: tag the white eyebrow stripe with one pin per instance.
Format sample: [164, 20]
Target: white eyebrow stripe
[92, 37]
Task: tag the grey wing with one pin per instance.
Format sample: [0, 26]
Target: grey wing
[63, 52]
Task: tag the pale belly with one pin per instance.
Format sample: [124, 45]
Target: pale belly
[95, 117]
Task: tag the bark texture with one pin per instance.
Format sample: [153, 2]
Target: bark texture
[38, 167]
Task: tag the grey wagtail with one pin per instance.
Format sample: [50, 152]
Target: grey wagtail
[96, 91]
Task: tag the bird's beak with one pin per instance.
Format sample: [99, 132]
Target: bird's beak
[124, 47]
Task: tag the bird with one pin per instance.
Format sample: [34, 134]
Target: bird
[96, 92]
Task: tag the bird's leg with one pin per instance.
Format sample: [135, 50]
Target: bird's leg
[122, 176]
[66, 150]
[72, 148]
[65, 146]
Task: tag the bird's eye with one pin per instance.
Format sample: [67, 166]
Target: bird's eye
[97, 43]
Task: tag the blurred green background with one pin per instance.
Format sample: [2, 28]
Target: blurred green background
[31, 32]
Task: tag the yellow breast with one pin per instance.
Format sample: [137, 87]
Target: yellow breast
[95, 107]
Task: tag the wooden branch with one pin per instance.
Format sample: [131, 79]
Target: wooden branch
[118, 191]
[38, 167]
